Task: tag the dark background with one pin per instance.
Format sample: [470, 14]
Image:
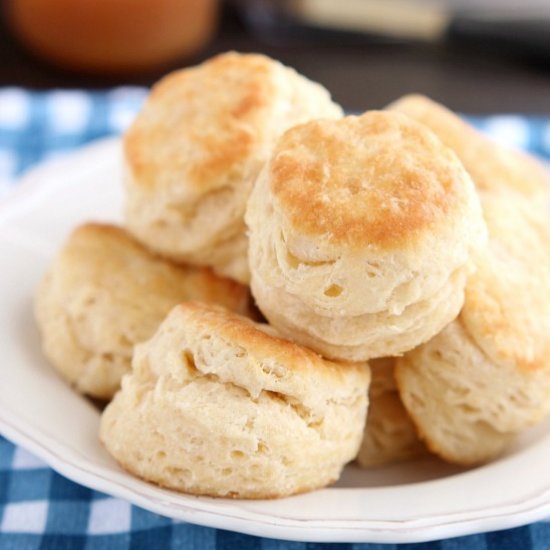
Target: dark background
[360, 76]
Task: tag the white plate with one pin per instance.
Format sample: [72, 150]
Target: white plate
[414, 502]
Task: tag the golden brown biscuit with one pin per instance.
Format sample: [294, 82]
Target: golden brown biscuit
[218, 405]
[493, 167]
[486, 376]
[195, 150]
[390, 435]
[360, 232]
[103, 294]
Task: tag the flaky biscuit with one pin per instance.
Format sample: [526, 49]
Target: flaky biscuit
[218, 405]
[486, 376]
[390, 435]
[361, 231]
[103, 294]
[493, 166]
[194, 151]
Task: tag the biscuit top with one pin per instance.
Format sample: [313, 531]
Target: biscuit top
[491, 165]
[106, 256]
[375, 180]
[507, 307]
[201, 125]
[262, 344]
[201, 121]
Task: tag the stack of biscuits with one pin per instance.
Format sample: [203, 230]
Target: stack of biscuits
[272, 248]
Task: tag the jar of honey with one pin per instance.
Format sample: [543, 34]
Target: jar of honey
[113, 36]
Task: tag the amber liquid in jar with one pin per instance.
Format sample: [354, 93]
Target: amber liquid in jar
[113, 36]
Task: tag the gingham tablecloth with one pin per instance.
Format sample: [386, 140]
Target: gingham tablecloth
[40, 509]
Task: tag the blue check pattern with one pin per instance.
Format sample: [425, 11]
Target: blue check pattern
[41, 510]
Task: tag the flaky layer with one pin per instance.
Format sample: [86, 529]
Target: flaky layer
[221, 406]
[361, 337]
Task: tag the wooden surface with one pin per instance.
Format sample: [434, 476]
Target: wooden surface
[359, 76]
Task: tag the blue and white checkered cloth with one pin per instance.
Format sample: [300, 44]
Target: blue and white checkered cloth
[40, 509]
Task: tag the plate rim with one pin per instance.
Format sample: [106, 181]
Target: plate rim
[264, 525]
[21, 432]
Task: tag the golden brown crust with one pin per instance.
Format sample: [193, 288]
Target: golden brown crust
[361, 232]
[378, 179]
[492, 166]
[237, 89]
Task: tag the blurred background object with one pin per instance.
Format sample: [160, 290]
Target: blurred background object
[113, 36]
[522, 25]
[475, 56]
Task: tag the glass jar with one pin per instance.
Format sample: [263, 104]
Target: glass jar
[113, 36]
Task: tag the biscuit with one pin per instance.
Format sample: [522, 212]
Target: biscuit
[219, 405]
[390, 435]
[195, 149]
[104, 293]
[493, 166]
[486, 376]
[361, 232]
